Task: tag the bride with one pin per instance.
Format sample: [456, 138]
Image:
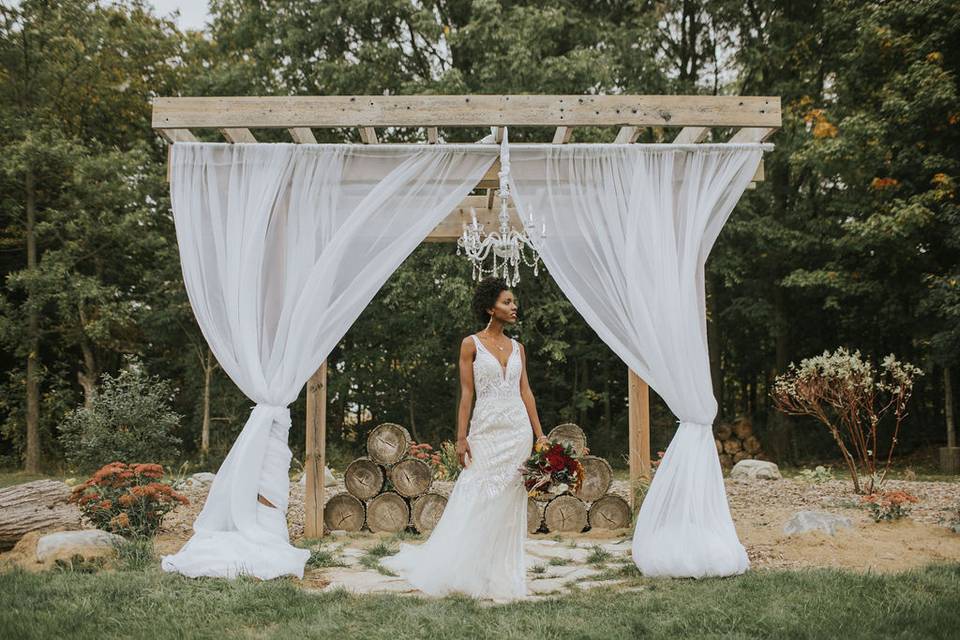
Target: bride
[477, 546]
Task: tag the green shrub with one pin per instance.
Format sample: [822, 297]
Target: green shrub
[130, 420]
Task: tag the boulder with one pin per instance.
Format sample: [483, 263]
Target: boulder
[328, 478]
[805, 521]
[751, 469]
[201, 479]
[89, 543]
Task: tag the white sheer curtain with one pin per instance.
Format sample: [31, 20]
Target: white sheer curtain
[282, 246]
[629, 228]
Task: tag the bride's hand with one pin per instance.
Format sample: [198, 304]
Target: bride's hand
[463, 449]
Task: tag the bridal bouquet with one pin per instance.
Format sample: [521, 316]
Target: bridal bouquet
[553, 468]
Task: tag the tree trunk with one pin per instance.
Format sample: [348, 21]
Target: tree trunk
[87, 377]
[948, 408]
[32, 454]
[34, 506]
[413, 423]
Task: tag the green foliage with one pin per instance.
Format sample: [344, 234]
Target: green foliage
[852, 239]
[130, 420]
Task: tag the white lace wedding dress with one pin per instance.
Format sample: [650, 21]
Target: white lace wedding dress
[477, 546]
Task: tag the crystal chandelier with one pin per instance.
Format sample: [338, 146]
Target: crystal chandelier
[508, 246]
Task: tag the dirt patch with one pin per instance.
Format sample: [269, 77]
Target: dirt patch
[759, 509]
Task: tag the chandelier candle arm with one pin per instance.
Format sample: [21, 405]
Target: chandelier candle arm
[508, 244]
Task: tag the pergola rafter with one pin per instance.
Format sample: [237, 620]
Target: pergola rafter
[754, 119]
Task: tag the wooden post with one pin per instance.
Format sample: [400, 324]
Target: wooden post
[315, 462]
[639, 425]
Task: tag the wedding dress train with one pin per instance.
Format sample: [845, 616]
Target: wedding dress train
[477, 546]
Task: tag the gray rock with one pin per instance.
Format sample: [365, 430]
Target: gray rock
[89, 543]
[805, 521]
[201, 479]
[755, 470]
[328, 478]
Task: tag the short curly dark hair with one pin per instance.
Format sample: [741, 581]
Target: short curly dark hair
[485, 297]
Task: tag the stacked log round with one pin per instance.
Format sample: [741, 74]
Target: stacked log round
[566, 514]
[388, 490]
[411, 477]
[364, 478]
[388, 443]
[344, 512]
[534, 515]
[593, 505]
[597, 478]
[609, 512]
[571, 434]
[736, 442]
[426, 511]
[388, 512]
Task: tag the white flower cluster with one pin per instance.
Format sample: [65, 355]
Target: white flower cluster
[901, 374]
[842, 369]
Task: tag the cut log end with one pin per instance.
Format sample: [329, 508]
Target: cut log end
[388, 443]
[565, 514]
[343, 512]
[427, 510]
[411, 477]
[609, 512]
[364, 478]
[388, 512]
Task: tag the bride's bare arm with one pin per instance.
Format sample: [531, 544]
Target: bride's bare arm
[527, 395]
[467, 352]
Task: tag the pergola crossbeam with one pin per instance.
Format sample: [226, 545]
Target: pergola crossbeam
[237, 134]
[562, 135]
[466, 111]
[302, 135]
[692, 135]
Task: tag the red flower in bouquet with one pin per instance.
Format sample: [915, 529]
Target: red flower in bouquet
[553, 467]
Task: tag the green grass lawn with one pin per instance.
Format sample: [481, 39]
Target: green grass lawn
[821, 603]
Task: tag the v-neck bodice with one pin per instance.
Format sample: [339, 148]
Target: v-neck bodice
[493, 379]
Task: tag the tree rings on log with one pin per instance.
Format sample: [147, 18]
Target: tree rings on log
[609, 512]
[364, 478]
[731, 446]
[388, 443]
[751, 444]
[534, 515]
[723, 431]
[427, 510]
[571, 434]
[566, 514]
[343, 513]
[388, 512]
[597, 477]
[742, 428]
[411, 477]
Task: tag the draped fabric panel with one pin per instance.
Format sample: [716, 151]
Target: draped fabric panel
[282, 247]
[628, 230]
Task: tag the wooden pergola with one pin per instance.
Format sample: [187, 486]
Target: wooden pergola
[752, 119]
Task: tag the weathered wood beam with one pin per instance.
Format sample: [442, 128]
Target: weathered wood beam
[692, 135]
[451, 227]
[638, 425]
[497, 134]
[234, 134]
[466, 111]
[177, 135]
[315, 452]
[368, 135]
[562, 135]
[302, 135]
[752, 134]
[433, 135]
[627, 135]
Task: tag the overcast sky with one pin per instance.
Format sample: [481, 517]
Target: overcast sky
[193, 13]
